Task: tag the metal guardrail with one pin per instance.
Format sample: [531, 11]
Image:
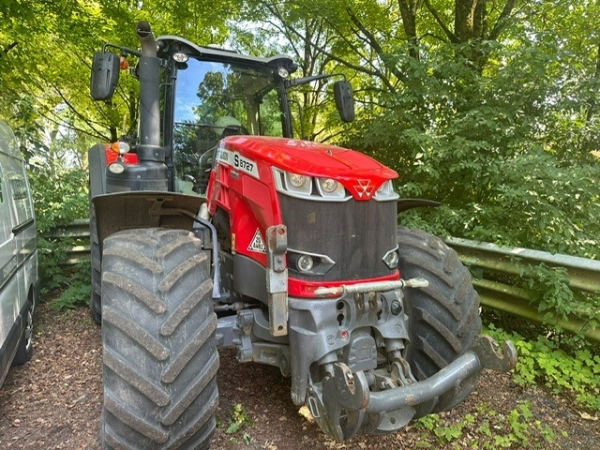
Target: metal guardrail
[490, 264]
[584, 274]
[79, 230]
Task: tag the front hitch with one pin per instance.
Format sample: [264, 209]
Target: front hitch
[344, 404]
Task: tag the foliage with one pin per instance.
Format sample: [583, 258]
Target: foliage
[494, 115]
[553, 296]
[495, 122]
[77, 287]
[530, 202]
[306, 41]
[486, 429]
[60, 196]
[543, 360]
[239, 420]
[45, 64]
[482, 146]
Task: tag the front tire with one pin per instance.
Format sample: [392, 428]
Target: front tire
[158, 331]
[444, 317]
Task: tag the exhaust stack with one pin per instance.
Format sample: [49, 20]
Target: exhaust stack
[148, 72]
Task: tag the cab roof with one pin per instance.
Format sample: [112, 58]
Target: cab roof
[168, 45]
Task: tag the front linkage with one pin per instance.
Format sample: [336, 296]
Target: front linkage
[346, 356]
[370, 357]
[343, 404]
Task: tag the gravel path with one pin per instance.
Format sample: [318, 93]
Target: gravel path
[54, 402]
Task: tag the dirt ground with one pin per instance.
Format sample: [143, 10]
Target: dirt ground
[54, 402]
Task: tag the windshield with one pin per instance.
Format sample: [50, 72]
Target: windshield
[208, 92]
[215, 100]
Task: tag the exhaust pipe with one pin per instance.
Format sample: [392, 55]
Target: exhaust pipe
[146, 37]
[148, 72]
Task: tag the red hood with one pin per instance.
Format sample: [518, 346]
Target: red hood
[313, 159]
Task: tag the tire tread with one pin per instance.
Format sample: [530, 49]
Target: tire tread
[443, 317]
[157, 297]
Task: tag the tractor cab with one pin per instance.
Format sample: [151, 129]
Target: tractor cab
[210, 94]
[201, 95]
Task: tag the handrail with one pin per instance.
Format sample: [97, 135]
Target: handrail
[496, 263]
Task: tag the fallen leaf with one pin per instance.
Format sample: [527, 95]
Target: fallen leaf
[305, 412]
[586, 416]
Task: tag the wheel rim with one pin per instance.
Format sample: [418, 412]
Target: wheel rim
[28, 332]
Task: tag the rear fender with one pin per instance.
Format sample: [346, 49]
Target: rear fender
[144, 209]
[97, 167]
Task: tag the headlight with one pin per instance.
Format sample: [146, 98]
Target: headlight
[330, 188]
[180, 57]
[283, 72]
[386, 192]
[296, 180]
[305, 263]
[116, 168]
[328, 185]
[308, 263]
[305, 186]
[298, 184]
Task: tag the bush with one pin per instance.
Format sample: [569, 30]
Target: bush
[575, 371]
[59, 198]
[505, 164]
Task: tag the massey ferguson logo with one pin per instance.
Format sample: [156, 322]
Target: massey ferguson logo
[363, 188]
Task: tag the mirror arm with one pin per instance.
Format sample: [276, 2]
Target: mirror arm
[124, 50]
[301, 81]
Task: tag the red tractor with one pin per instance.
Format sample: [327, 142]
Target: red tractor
[214, 227]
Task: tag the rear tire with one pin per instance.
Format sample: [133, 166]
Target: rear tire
[158, 331]
[444, 317]
[95, 303]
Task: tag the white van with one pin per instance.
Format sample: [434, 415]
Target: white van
[18, 257]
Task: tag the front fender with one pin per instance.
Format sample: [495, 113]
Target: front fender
[409, 203]
[144, 209]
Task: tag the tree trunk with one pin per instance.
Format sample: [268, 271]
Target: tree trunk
[408, 10]
[464, 19]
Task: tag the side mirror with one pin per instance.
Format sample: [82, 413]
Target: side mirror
[344, 100]
[105, 75]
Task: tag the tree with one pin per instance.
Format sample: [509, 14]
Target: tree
[460, 96]
[304, 39]
[463, 97]
[50, 59]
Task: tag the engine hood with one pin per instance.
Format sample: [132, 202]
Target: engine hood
[312, 159]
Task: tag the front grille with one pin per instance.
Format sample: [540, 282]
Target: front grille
[356, 235]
